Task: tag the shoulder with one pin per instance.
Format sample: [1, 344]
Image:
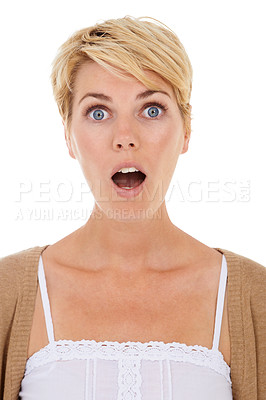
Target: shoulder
[16, 262]
[249, 269]
[16, 267]
[247, 277]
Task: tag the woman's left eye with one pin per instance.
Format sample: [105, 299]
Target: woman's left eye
[153, 111]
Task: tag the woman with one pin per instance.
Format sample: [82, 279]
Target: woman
[129, 306]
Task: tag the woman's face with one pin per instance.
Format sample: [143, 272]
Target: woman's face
[116, 120]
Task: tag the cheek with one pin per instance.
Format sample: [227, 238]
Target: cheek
[168, 147]
[86, 145]
[169, 139]
[91, 160]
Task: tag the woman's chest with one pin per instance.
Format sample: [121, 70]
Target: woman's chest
[165, 308]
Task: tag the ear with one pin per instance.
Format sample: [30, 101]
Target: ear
[187, 134]
[68, 142]
[185, 145]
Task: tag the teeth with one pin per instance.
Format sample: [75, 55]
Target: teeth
[126, 187]
[126, 170]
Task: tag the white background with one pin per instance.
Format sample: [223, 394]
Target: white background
[217, 194]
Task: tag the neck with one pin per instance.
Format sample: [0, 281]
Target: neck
[130, 245]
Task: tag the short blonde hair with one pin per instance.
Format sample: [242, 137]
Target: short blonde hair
[129, 44]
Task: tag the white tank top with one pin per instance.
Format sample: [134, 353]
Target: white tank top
[155, 370]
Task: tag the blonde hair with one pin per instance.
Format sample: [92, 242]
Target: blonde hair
[129, 44]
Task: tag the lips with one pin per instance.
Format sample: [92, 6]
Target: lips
[127, 164]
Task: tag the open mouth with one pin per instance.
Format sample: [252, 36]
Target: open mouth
[128, 180]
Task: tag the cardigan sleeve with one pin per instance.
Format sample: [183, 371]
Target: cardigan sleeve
[10, 276]
[256, 273]
[18, 287]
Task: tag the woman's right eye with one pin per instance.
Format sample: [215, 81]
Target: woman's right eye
[98, 114]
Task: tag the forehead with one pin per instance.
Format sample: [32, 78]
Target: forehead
[91, 75]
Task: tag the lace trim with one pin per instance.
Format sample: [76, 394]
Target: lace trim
[153, 350]
[129, 378]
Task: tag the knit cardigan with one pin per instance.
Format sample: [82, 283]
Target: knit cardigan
[246, 297]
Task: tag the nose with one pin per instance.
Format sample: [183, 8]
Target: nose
[125, 144]
[125, 135]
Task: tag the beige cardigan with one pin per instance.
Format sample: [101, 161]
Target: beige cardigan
[246, 313]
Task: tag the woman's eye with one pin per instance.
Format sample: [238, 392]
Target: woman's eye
[152, 111]
[98, 114]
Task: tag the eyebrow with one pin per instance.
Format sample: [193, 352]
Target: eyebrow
[140, 96]
[148, 93]
[99, 96]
